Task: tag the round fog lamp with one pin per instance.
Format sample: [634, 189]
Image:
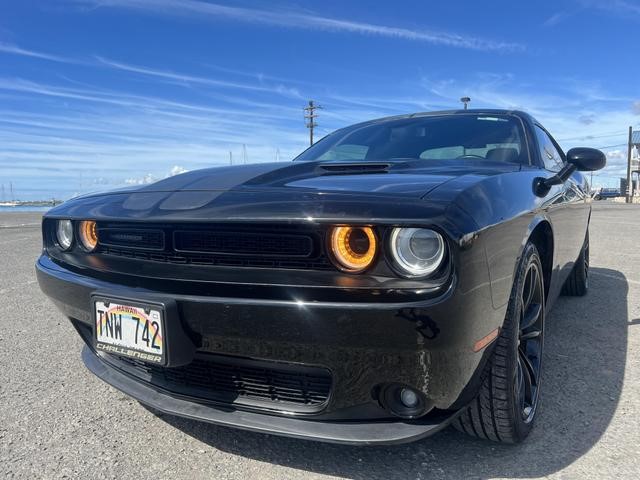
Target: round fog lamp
[404, 401]
[64, 234]
[409, 398]
[88, 234]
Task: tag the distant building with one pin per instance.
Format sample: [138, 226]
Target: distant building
[635, 184]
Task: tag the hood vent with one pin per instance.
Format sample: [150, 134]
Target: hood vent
[348, 168]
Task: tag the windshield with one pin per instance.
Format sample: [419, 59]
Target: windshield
[446, 137]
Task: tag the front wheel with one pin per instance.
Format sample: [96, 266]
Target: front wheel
[507, 403]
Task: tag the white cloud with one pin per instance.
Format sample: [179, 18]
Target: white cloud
[120, 99]
[619, 7]
[177, 170]
[150, 177]
[555, 19]
[144, 180]
[120, 138]
[292, 19]
[616, 154]
[179, 77]
[16, 50]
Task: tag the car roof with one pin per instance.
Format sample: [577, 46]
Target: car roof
[437, 113]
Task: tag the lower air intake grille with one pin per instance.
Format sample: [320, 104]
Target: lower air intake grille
[218, 378]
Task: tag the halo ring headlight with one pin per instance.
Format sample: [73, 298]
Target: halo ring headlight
[417, 252]
[64, 234]
[88, 235]
[353, 248]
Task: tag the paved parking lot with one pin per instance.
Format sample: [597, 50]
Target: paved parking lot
[58, 421]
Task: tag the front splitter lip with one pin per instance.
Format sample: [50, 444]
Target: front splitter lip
[344, 432]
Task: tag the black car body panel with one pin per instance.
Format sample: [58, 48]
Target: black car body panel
[367, 330]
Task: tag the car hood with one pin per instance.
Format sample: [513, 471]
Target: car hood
[399, 178]
[388, 192]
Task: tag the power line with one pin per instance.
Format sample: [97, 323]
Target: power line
[607, 175]
[615, 133]
[613, 146]
[590, 137]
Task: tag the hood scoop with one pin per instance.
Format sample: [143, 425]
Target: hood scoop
[349, 168]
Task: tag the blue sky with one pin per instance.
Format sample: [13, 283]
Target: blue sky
[100, 94]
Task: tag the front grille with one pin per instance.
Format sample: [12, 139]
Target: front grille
[138, 238]
[256, 246]
[230, 380]
[231, 243]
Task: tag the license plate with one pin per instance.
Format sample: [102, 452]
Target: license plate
[135, 331]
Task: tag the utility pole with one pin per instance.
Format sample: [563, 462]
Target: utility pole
[230, 157]
[466, 101]
[628, 192]
[310, 115]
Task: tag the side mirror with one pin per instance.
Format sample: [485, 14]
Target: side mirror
[586, 159]
[580, 158]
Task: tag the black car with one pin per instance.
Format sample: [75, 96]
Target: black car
[393, 279]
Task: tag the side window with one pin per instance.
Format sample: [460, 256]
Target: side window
[550, 155]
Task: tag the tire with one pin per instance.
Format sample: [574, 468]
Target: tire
[506, 405]
[577, 283]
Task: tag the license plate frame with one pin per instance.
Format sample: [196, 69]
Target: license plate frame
[149, 311]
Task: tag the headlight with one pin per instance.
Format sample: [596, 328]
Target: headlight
[353, 248]
[64, 233]
[417, 252]
[88, 234]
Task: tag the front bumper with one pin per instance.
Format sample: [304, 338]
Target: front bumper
[346, 432]
[426, 345]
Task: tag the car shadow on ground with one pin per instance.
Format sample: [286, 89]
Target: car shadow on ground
[584, 363]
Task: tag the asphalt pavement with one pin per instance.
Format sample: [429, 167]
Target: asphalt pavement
[59, 421]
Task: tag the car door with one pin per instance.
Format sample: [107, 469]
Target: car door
[566, 204]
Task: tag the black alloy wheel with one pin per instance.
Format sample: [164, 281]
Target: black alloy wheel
[530, 343]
